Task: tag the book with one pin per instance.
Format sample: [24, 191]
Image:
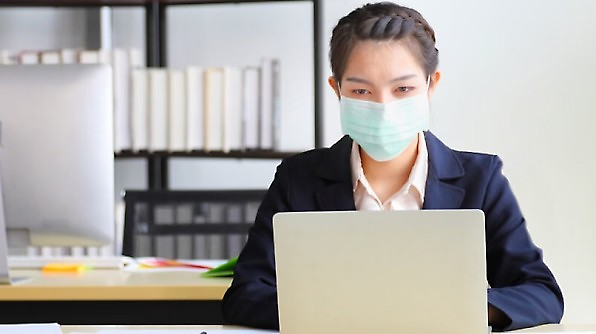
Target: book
[50, 57]
[251, 104]
[194, 108]
[122, 104]
[140, 110]
[232, 109]
[89, 57]
[140, 107]
[6, 58]
[266, 111]
[276, 104]
[158, 109]
[213, 109]
[136, 58]
[177, 110]
[28, 57]
[69, 56]
[99, 56]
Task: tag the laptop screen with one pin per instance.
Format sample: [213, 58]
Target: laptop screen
[383, 271]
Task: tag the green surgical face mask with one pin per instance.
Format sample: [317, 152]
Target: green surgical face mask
[384, 130]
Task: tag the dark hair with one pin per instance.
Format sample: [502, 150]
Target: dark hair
[383, 21]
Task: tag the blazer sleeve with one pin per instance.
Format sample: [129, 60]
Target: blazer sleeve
[251, 300]
[522, 286]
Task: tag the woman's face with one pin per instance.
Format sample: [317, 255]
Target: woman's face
[382, 71]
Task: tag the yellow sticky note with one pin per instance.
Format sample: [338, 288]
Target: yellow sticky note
[64, 267]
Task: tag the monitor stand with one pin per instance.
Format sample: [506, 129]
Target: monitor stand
[4, 274]
[5, 278]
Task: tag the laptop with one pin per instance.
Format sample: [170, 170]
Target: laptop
[381, 272]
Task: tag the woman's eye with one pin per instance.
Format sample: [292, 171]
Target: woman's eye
[404, 89]
[360, 91]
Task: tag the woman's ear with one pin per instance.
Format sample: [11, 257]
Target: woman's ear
[434, 80]
[334, 85]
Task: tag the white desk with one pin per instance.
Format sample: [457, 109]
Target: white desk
[113, 284]
[109, 296]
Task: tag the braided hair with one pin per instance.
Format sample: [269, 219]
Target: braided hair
[383, 21]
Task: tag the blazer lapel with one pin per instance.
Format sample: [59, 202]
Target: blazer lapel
[336, 194]
[443, 168]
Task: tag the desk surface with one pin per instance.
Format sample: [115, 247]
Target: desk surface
[111, 284]
[132, 329]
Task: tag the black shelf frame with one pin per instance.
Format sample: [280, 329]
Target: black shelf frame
[156, 50]
[123, 3]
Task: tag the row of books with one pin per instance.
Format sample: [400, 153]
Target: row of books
[132, 56]
[194, 245]
[225, 108]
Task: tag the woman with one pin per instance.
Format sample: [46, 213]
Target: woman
[384, 64]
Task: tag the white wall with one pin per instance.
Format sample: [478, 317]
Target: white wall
[41, 28]
[517, 81]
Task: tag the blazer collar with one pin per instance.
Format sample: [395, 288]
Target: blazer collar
[444, 167]
[335, 168]
[336, 165]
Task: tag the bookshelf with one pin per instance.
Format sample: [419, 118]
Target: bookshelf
[156, 47]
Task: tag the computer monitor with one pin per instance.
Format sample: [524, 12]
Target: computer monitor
[56, 155]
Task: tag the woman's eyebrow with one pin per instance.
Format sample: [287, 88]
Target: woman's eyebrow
[364, 81]
[358, 80]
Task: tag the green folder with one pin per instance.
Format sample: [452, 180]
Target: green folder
[223, 270]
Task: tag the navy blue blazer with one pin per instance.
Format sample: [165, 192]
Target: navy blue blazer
[522, 286]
